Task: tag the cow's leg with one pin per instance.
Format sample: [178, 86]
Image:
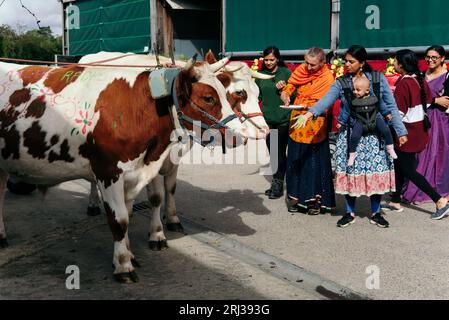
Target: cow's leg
[94, 201]
[118, 219]
[129, 207]
[3, 180]
[155, 191]
[173, 223]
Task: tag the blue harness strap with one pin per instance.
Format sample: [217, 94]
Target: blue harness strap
[182, 117]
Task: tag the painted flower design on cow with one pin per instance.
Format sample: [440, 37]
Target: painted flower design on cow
[84, 121]
[43, 91]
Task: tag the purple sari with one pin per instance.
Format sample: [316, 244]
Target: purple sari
[433, 161]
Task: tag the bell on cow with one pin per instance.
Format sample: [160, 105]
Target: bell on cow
[161, 81]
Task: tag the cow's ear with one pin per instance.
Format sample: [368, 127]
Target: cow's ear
[225, 79]
[210, 57]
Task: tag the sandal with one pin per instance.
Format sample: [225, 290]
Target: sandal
[389, 207]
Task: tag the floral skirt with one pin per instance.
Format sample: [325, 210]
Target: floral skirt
[372, 172]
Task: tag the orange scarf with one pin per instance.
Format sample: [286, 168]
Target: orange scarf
[310, 88]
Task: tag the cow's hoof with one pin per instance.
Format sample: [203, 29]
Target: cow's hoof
[128, 277]
[158, 245]
[135, 263]
[175, 227]
[3, 243]
[93, 211]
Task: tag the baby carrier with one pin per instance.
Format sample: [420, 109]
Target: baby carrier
[366, 114]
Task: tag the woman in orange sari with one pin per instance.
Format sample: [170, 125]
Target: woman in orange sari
[310, 187]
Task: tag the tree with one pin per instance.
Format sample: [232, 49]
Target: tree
[37, 44]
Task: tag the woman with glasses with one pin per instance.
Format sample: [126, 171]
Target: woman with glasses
[373, 172]
[433, 161]
[276, 118]
[412, 94]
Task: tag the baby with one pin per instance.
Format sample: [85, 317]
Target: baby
[361, 106]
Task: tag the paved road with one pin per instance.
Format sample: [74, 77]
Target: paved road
[239, 245]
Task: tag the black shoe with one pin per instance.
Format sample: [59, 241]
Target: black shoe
[268, 192]
[379, 220]
[346, 220]
[277, 189]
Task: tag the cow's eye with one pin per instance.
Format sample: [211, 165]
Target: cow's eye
[240, 93]
[209, 100]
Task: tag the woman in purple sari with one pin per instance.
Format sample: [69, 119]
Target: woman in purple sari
[433, 161]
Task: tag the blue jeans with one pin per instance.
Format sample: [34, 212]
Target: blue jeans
[375, 203]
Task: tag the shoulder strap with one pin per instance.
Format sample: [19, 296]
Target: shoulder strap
[346, 88]
[376, 83]
[376, 86]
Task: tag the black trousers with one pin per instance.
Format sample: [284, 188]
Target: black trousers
[280, 156]
[405, 167]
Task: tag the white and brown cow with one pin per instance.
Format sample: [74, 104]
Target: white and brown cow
[242, 93]
[60, 124]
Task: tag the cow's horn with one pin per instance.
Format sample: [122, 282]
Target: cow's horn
[219, 64]
[261, 76]
[231, 69]
[189, 64]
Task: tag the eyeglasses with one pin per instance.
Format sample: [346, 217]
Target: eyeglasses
[433, 58]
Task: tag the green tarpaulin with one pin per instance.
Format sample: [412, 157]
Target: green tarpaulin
[398, 23]
[111, 25]
[290, 25]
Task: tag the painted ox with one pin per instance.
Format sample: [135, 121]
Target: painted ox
[102, 124]
[243, 95]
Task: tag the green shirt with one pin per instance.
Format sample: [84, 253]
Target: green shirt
[270, 97]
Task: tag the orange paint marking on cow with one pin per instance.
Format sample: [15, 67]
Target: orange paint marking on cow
[60, 78]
